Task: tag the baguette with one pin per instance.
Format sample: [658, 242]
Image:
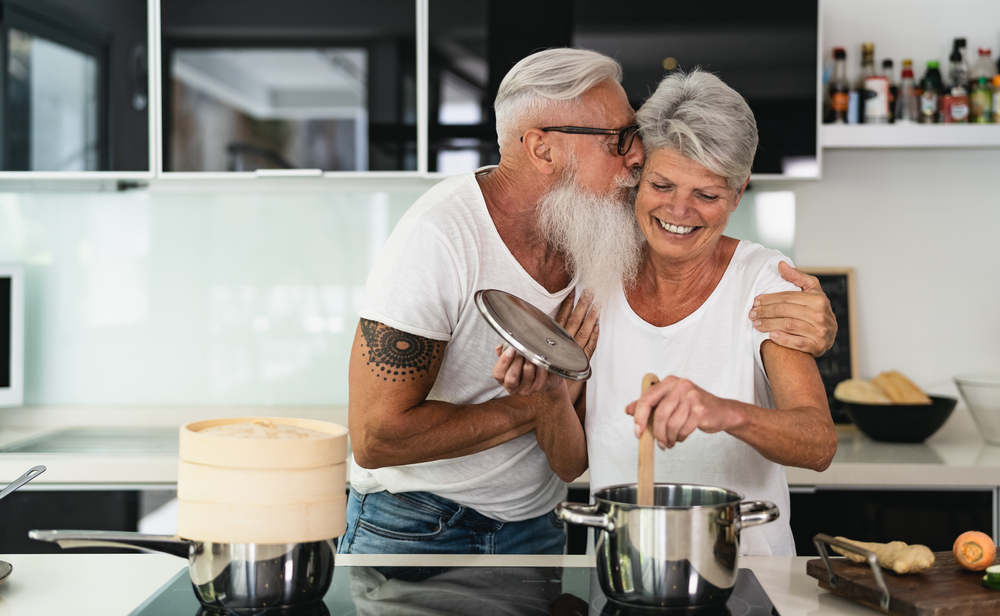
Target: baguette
[900, 389]
[859, 390]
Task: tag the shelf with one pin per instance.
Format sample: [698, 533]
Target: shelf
[910, 136]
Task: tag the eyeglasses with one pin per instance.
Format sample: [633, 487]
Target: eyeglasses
[625, 135]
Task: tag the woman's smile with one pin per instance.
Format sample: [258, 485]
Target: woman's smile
[677, 229]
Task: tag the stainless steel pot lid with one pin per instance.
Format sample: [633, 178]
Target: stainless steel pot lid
[534, 334]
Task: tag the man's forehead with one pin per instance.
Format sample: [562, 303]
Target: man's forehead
[604, 106]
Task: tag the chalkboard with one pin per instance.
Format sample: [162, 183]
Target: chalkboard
[840, 362]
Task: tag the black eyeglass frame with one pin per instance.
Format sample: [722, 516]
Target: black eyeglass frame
[626, 136]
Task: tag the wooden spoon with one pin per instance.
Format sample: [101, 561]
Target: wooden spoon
[645, 496]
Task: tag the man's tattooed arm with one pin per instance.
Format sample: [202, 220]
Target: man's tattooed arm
[397, 356]
[391, 420]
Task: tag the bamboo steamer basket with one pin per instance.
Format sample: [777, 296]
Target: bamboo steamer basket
[262, 480]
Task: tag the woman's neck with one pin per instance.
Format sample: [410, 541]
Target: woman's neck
[668, 291]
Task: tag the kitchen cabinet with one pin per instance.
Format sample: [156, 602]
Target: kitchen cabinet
[767, 52]
[130, 89]
[320, 88]
[74, 97]
[292, 88]
[92, 509]
[183, 89]
[931, 517]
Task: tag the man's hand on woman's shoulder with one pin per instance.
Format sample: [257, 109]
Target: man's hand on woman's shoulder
[802, 321]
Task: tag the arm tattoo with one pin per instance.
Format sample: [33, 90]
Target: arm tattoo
[398, 355]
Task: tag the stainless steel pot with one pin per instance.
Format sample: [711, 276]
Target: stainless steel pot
[243, 578]
[681, 552]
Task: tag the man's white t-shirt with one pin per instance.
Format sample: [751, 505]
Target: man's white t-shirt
[717, 348]
[444, 249]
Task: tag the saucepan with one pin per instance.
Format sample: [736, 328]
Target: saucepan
[241, 578]
[682, 551]
[34, 471]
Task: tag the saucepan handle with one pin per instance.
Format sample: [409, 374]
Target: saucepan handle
[69, 539]
[753, 513]
[586, 515]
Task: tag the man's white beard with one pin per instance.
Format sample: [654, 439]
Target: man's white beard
[598, 233]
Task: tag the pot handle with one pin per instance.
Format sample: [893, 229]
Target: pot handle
[578, 513]
[69, 539]
[753, 513]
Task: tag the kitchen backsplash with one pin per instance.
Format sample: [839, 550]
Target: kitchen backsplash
[147, 297]
[187, 298]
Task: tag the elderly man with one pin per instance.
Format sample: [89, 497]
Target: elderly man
[444, 461]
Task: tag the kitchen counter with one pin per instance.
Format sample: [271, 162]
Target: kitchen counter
[108, 468]
[116, 584]
[956, 456]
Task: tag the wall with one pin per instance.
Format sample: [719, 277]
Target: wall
[922, 230]
[193, 297]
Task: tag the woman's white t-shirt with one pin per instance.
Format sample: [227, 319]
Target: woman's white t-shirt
[717, 348]
[444, 249]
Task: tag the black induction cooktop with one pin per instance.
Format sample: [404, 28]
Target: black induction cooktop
[473, 591]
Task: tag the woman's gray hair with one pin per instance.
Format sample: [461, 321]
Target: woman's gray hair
[546, 79]
[703, 119]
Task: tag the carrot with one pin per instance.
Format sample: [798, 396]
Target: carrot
[974, 550]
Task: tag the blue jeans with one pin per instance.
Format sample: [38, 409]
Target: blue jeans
[422, 523]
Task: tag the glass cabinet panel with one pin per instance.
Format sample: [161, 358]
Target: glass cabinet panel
[52, 106]
[766, 51]
[74, 89]
[461, 125]
[307, 84]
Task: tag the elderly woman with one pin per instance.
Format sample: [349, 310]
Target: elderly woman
[732, 408]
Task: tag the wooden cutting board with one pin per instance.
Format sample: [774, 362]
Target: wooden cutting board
[943, 590]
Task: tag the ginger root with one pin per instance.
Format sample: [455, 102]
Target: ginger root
[895, 555]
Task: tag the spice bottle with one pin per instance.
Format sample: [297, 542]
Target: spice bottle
[931, 89]
[996, 99]
[907, 109]
[838, 88]
[981, 103]
[955, 106]
[858, 101]
[893, 88]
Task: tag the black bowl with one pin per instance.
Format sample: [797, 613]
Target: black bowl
[901, 423]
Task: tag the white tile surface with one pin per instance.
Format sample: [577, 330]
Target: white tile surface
[193, 298]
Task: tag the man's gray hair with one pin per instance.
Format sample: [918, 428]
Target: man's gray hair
[703, 119]
[546, 79]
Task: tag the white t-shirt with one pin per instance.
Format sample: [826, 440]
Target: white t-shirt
[717, 348]
[444, 249]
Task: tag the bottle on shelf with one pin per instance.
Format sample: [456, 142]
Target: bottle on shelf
[982, 68]
[954, 101]
[873, 89]
[893, 88]
[931, 88]
[838, 88]
[996, 98]
[958, 69]
[858, 96]
[955, 106]
[981, 103]
[907, 109]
